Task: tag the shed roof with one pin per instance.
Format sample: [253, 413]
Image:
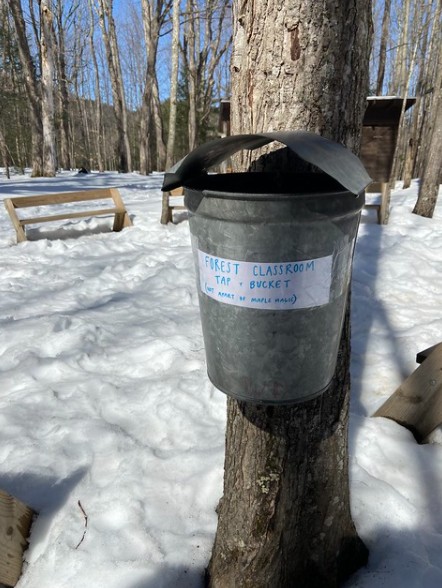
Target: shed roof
[385, 111]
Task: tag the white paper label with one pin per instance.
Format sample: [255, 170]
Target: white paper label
[272, 286]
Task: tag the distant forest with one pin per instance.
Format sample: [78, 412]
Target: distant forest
[135, 85]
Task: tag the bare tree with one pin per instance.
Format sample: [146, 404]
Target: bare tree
[31, 85]
[204, 45]
[62, 18]
[154, 14]
[295, 65]
[173, 82]
[104, 10]
[383, 47]
[432, 174]
[98, 107]
[47, 88]
[81, 144]
[420, 91]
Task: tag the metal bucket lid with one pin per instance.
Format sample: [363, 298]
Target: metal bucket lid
[333, 159]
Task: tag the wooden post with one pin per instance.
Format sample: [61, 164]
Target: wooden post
[15, 524]
[122, 218]
[385, 203]
[21, 235]
[166, 212]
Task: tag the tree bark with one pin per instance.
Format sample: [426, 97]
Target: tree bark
[47, 89]
[284, 519]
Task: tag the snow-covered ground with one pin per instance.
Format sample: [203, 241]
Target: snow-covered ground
[104, 398]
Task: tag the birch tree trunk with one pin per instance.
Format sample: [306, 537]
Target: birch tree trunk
[99, 132]
[284, 519]
[47, 89]
[173, 84]
[31, 85]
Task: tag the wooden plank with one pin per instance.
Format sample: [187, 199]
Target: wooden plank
[21, 235]
[377, 151]
[49, 199]
[417, 403]
[80, 214]
[15, 524]
[422, 355]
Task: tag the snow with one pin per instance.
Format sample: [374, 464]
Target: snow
[104, 398]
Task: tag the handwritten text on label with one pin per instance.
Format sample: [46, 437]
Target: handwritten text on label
[273, 286]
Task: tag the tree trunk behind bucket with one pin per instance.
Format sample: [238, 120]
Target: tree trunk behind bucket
[284, 519]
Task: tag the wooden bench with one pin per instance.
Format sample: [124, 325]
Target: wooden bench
[417, 403]
[121, 219]
[171, 201]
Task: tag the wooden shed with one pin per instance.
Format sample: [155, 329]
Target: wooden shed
[379, 137]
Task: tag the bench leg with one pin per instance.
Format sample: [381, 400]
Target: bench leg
[166, 212]
[122, 219]
[119, 221]
[385, 203]
[21, 235]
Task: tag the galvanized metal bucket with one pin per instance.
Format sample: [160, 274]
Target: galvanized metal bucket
[273, 257]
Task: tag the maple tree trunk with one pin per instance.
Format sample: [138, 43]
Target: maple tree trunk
[284, 519]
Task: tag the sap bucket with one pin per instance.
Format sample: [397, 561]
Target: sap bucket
[273, 256]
